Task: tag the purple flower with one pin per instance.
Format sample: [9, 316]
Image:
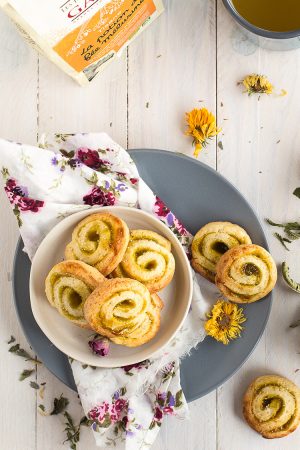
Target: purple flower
[170, 219]
[21, 191]
[121, 187]
[161, 396]
[54, 161]
[99, 345]
[130, 433]
[74, 162]
[116, 395]
[171, 400]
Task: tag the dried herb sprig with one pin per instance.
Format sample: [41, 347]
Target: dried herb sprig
[282, 240]
[17, 350]
[73, 431]
[291, 230]
[59, 405]
[25, 374]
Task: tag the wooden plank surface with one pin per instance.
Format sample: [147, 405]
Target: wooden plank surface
[191, 56]
[19, 122]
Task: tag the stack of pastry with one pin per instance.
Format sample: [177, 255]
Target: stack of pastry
[125, 306]
[223, 253]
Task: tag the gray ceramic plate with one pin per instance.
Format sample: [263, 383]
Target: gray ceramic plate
[197, 195]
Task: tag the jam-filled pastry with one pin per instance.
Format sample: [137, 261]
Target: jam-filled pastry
[271, 406]
[68, 285]
[246, 273]
[211, 242]
[124, 311]
[147, 259]
[99, 240]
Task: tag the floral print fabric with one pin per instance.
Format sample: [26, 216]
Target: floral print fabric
[125, 406]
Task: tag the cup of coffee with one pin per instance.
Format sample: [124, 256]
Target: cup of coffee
[273, 24]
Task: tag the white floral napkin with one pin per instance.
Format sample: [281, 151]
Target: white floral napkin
[68, 173]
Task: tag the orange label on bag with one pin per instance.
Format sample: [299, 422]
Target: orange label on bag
[107, 30]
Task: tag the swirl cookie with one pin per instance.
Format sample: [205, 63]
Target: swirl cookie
[68, 285]
[148, 259]
[246, 273]
[99, 240]
[124, 311]
[211, 242]
[271, 406]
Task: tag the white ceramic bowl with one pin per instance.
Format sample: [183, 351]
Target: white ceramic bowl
[73, 340]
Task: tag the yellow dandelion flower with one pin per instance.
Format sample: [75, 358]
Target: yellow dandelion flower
[201, 126]
[257, 84]
[224, 321]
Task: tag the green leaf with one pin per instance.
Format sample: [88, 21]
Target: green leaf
[59, 405]
[297, 192]
[122, 390]
[69, 418]
[178, 399]
[152, 424]
[161, 402]
[72, 431]
[5, 173]
[93, 180]
[220, 145]
[168, 397]
[286, 276]
[67, 154]
[25, 374]
[106, 423]
[12, 339]
[282, 240]
[273, 224]
[17, 350]
[34, 385]
[85, 421]
[41, 407]
[295, 324]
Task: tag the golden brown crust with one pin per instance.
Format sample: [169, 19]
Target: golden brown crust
[123, 310]
[100, 240]
[67, 286]
[147, 259]
[211, 242]
[271, 406]
[246, 273]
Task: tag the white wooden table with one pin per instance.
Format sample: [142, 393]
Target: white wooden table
[190, 57]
